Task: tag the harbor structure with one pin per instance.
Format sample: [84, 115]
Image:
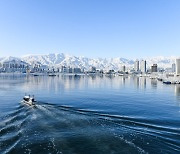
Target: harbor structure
[178, 66]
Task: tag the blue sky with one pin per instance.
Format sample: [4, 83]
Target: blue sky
[92, 28]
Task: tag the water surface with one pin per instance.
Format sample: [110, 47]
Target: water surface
[89, 114]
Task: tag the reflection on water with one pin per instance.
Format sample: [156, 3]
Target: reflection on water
[154, 83]
[177, 93]
[89, 114]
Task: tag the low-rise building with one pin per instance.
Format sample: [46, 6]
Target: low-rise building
[154, 68]
[15, 66]
[77, 70]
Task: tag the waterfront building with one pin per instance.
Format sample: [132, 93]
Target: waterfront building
[77, 70]
[15, 66]
[124, 68]
[93, 69]
[143, 66]
[64, 69]
[154, 68]
[173, 67]
[70, 70]
[178, 66]
[136, 66]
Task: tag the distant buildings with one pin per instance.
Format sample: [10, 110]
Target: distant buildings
[173, 68]
[136, 66]
[124, 68]
[140, 67]
[14, 66]
[93, 69]
[143, 66]
[178, 66]
[65, 69]
[77, 70]
[154, 68]
[38, 67]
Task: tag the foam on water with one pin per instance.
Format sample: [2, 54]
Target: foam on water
[51, 126]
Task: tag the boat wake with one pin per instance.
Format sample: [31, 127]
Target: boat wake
[65, 129]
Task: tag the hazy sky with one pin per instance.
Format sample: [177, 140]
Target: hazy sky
[92, 28]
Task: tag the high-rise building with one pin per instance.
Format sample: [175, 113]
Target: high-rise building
[154, 68]
[173, 67]
[136, 65]
[143, 66]
[178, 66]
[123, 68]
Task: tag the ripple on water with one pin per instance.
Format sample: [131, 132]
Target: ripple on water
[65, 129]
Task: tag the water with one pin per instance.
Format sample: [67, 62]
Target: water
[89, 114]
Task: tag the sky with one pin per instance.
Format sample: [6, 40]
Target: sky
[91, 28]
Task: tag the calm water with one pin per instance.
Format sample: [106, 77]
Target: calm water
[89, 114]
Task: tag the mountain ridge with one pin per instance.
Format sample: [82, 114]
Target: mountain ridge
[60, 59]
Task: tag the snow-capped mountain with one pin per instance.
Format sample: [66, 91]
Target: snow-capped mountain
[14, 60]
[10, 58]
[61, 59]
[82, 62]
[163, 62]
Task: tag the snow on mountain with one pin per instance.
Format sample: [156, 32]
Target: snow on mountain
[163, 62]
[61, 59]
[13, 59]
[5, 59]
[74, 61]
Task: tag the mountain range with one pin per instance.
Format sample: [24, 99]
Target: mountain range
[60, 59]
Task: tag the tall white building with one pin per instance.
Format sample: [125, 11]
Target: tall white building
[173, 67]
[136, 65]
[178, 66]
[143, 66]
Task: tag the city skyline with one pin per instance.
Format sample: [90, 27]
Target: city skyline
[90, 28]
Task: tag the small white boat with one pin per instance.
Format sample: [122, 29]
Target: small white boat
[29, 100]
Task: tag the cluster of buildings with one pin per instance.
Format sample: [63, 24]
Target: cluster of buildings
[14, 66]
[140, 67]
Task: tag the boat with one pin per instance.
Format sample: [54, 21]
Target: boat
[177, 82]
[29, 100]
[52, 74]
[35, 74]
[159, 79]
[167, 82]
